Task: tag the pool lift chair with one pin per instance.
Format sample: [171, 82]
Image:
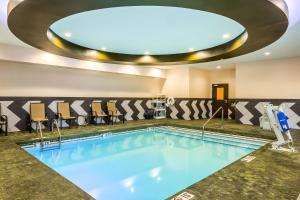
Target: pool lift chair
[275, 119]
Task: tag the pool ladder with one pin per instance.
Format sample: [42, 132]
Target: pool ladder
[39, 129]
[54, 122]
[203, 127]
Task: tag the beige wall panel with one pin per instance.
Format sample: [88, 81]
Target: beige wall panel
[199, 83]
[274, 79]
[21, 79]
[177, 83]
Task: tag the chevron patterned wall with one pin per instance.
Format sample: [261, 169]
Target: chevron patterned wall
[190, 109]
[248, 111]
[17, 108]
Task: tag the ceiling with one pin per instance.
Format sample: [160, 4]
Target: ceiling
[287, 46]
[157, 30]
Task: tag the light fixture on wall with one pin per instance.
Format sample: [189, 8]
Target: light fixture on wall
[191, 49]
[267, 53]
[48, 57]
[92, 53]
[219, 67]
[103, 48]
[147, 53]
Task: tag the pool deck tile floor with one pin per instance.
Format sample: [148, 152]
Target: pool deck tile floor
[272, 175]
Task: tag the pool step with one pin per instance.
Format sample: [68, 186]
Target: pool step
[214, 138]
[47, 145]
[253, 141]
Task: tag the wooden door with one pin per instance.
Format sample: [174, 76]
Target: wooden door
[220, 99]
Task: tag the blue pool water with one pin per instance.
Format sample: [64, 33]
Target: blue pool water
[148, 164]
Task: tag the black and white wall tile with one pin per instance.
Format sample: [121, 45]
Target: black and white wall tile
[17, 108]
[190, 109]
[248, 111]
[245, 111]
[231, 108]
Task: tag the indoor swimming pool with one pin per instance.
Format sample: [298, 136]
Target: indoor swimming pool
[148, 164]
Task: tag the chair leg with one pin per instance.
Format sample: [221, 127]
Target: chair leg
[6, 128]
[30, 128]
[48, 125]
[36, 128]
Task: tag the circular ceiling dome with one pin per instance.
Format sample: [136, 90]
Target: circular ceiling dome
[148, 32]
[155, 30]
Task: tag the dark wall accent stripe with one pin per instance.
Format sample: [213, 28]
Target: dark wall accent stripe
[245, 111]
[17, 108]
[189, 109]
[248, 111]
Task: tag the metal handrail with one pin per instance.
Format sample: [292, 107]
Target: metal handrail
[54, 122]
[203, 127]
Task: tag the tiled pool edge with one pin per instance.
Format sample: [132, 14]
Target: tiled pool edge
[83, 135]
[97, 133]
[124, 130]
[216, 192]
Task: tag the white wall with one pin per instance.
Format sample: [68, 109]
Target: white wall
[24, 79]
[35, 56]
[199, 83]
[274, 79]
[177, 83]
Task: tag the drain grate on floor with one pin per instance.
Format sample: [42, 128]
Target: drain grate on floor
[248, 158]
[184, 196]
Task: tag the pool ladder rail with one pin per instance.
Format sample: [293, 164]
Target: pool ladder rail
[39, 129]
[214, 114]
[54, 122]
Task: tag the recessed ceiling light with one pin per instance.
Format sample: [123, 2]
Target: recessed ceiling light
[191, 49]
[68, 34]
[226, 35]
[219, 67]
[267, 53]
[103, 48]
[92, 53]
